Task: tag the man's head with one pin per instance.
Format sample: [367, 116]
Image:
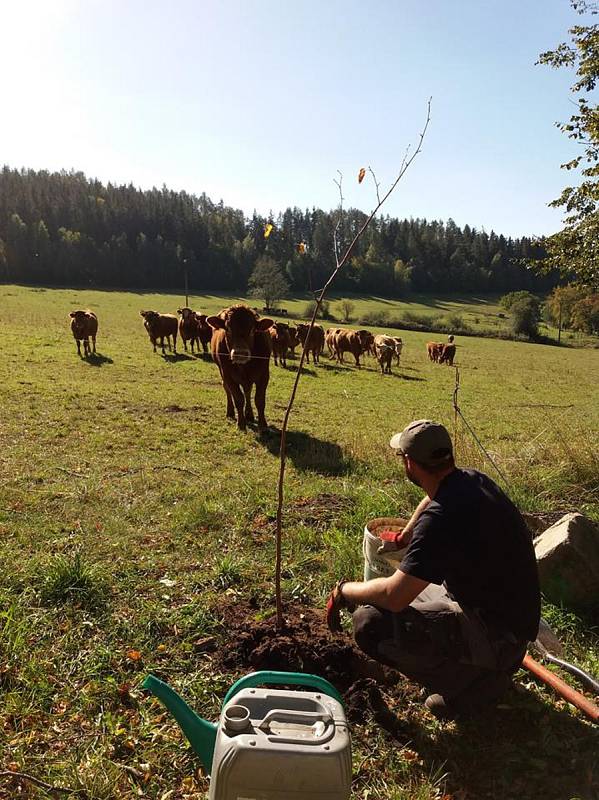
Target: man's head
[426, 446]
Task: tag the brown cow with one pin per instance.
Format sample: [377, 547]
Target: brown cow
[329, 338]
[384, 347]
[312, 344]
[447, 354]
[434, 350]
[367, 340]
[160, 326]
[188, 327]
[346, 341]
[241, 347]
[398, 347]
[293, 339]
[83, 325]
[280, 342]
[204, 331]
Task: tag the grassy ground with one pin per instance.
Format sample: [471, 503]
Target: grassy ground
[131, 513]
[479, 313]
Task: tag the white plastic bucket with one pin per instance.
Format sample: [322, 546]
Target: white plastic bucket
[375, 565]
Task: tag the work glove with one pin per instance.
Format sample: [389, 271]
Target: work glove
[335, 603]
[392, 541]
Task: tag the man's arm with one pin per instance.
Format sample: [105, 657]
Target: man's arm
[407, 531]
[392, 542]
[393, 593]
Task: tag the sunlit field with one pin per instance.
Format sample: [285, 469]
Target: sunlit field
[132, 513]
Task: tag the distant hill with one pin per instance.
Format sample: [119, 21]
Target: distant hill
[62, 228]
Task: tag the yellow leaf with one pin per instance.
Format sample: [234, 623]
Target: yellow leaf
[361, 174]
[301, 248]
[267, 230]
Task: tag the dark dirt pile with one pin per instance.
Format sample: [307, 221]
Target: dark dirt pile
[306, 645]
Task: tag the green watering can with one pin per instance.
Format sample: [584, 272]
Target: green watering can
[202, 735]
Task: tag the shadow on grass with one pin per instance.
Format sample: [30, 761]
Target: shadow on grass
[97, 360]
[411, 378]
[334, 366]
[174, 358]
[401, 376]
[292, 367]
[307, 453]
[524, 748]
[443, 301]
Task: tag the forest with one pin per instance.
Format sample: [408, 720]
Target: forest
[64, 229]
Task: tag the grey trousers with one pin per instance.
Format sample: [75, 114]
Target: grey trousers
[439, 644]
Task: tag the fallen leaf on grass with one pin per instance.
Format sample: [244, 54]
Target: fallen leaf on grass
[124, 692]
[133, 655]
[410, 755]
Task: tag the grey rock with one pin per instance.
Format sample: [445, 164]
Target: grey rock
[568, 561]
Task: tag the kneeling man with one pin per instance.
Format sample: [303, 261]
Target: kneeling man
[458, 613]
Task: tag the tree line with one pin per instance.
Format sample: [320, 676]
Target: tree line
[63, 228]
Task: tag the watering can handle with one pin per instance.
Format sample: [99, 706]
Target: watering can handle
[283, 678]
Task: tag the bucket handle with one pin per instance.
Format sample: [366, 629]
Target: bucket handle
[283, 678]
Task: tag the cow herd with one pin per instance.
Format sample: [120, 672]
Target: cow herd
[440, 352]
[192, 328]
[241, 344]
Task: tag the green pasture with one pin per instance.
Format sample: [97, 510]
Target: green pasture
[132, 512]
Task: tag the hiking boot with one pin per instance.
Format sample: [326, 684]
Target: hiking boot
[438, 707]
[479, 697]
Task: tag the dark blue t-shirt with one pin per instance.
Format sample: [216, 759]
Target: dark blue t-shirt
[473, 538]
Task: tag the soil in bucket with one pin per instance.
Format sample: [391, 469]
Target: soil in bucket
[375, 565]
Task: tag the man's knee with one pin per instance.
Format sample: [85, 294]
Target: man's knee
[367, 628]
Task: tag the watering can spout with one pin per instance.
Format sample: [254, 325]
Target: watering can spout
[200, 733]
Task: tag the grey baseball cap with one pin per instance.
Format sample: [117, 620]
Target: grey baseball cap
[427, 442]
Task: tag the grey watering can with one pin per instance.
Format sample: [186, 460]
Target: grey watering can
[201, 734]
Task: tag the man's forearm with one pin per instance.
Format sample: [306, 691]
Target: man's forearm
[393, 593]
[417, 512]
[374, 592]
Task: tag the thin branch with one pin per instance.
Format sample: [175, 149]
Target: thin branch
[48, 787]
[74, 474]
[340, 218]
[134, 470]
[405, 164]
[376, 184]
[131, 770]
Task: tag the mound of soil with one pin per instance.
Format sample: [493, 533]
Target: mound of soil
[305, 644]
[317, 512]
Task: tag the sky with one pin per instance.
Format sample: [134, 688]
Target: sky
[260, 102]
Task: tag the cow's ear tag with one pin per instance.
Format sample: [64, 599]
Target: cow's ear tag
[264, 324]
[215, 322]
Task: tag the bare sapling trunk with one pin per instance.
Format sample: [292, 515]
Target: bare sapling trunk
[340, 261]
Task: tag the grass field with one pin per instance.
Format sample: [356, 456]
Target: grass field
[132, 513]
